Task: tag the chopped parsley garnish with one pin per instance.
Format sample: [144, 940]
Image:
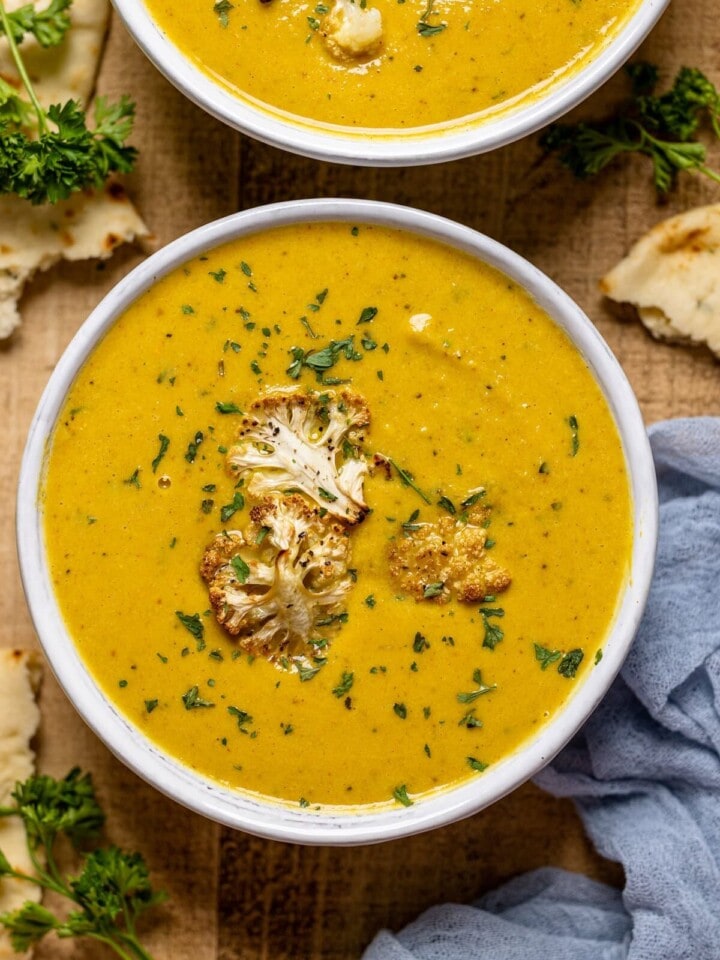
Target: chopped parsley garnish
[477, 765]
[570, 662]
[546, 656]
[194, 625]
[401, 710]
[447, 504]
[222, 9]
[218, 275]
[193, 446]
[420, 643]
[243, 718]
[431, 590]
[478, 691]
[240, 569]
[193, 700]
[261, 534]
[246, 268]
[326, 495]
[370, 601]
[227, 407]
[493, 633]
[401, 795]
[134, 479]
[164, 444]
[469, 720]
[472, 499]
[368, 314]
[332, 618]
[306, 672]
[424, 27]
[407, 480]
[346, 682]
[574, 437]
[187, 309]
[230, 509]
[321, 360]
[598, 657]
[150, 705]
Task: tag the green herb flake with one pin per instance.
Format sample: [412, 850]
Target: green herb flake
[227, 407]
[493, 634]
[194, 701]
[134, 479]
[598, 657]
[243, 718]
[545, 656]
[345, 685]
[193, 446]
[477, 765]
[370, 601]
[230, 509]
[420, 643]
[367, 314]
[432, 590]
[240, 569]
[479, 691]
[400, 710]
[574, 435]
[218, 275]
[194, 625]
[164, 444]
[569, 664]
[150, 705]
[222, 10]
[408, 480]
[187, 309]
[401, 795]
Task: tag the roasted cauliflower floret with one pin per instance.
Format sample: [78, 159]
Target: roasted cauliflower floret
[352, 31]
[278, 585]
[448, 558]
[306, 442]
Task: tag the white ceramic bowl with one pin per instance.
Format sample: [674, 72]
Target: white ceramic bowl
[455, 140]
[210, 798]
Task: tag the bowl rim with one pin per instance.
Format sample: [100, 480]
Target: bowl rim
[415, 149]
[243, 811]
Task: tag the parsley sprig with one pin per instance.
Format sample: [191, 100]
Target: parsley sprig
[45, 155]
[112, 889]
[660, 126]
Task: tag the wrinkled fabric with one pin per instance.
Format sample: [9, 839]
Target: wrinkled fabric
[644, 772]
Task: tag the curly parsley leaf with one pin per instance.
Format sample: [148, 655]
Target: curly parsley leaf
[110, 892]
[47, 154]
[661, 127]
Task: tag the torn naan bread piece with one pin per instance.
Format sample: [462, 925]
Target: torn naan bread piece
[19, 718]
[672, 278]
[86, 225]
[89, 224]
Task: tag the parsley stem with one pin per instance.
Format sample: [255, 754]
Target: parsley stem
[20, 67]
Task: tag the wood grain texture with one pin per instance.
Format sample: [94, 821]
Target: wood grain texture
[233, 896]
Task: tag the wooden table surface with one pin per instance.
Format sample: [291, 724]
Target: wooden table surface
[235, 897]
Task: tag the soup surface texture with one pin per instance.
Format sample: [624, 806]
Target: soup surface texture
[475, 397]
[433, 62]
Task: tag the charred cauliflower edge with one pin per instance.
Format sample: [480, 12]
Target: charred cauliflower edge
[278, 586]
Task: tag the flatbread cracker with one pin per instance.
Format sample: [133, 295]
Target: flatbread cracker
[672, 277]
[19, 718]
[87, 225]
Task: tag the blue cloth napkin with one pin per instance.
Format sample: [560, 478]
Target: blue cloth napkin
[644, 772]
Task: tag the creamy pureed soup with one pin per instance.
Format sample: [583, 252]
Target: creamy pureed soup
[365, 429]
[386, 64]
